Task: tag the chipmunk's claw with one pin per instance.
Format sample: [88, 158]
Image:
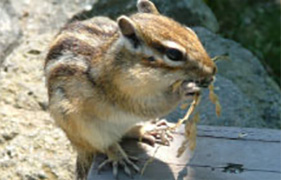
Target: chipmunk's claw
[125, 163]
[158, 132]
[122, 159]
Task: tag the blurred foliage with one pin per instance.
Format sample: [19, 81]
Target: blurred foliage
[255, 24]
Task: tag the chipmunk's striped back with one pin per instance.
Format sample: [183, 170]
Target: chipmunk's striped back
[85, 38]
[79, 45]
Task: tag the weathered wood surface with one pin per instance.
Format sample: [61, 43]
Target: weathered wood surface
[222, 153]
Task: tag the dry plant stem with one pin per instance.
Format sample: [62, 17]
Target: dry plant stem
[182, 148]
[191, 131]
[150, 160]
[191, 125]
[220, 57]
[190, 135]
[191, 109]
[176, 85]
[214, 99]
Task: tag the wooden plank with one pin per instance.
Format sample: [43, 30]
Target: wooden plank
[240, 133]
[221, 154]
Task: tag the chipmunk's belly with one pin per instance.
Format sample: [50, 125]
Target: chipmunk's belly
[109, 130]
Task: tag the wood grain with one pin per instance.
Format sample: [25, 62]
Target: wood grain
[222, 153]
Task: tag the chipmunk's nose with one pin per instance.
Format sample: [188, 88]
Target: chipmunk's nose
[205, 82]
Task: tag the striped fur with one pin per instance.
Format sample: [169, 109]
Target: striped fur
[104, 77]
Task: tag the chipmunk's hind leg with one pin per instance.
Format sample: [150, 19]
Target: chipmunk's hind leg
[117, 157]
[83, 164]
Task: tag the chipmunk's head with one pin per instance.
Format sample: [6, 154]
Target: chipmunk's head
[166, 46]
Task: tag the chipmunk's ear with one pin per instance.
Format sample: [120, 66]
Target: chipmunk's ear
[146, 6]
[128, 30]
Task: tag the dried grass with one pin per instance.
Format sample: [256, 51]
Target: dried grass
[191, 125]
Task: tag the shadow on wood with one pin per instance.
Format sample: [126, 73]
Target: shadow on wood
[165, 164]
[222, 153]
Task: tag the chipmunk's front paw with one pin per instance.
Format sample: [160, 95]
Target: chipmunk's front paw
[157, 132]
[152, 132]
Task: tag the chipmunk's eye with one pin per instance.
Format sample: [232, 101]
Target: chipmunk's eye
[174, 54]
[151, 58]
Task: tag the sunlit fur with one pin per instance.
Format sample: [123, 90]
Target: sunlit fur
[100, 84]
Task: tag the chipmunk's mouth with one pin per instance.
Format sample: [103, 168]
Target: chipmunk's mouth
[195, 86]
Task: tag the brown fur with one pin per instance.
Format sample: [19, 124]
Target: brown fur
[102, 82]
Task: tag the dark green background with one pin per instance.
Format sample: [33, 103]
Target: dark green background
[256, 25]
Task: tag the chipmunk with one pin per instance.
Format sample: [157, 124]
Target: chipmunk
[105, 77]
